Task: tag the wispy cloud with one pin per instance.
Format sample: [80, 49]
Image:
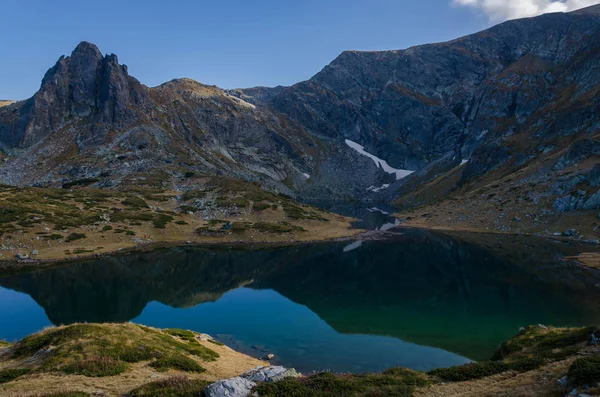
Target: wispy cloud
[499, 10]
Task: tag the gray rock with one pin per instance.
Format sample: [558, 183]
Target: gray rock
[270, 374]
[234, 387]
[593, 202]
[564, 381]
[34, 252]
[569, 233]
[21, 256]
[204, 337]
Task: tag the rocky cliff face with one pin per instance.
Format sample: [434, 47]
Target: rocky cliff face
[503, 99]
[90, 120]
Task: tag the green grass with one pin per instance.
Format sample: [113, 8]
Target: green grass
[181, 333]
[395, 382]
[176, 361]
[7, 375]
[160, 220]
[174, 386]
[67, 394]
[260, 206]
[551, 343]
[295, 212]
[96, 367]
[135, 202]
[103, 350]
[470, 371]
[276, 227]
[585, 371]
[107, 228]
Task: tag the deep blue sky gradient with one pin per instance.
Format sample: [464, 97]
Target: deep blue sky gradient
[229, 43]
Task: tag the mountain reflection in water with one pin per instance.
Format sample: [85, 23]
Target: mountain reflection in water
[462, 295]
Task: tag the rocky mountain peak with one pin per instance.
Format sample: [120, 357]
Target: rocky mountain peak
[85, 84]
[591, 10]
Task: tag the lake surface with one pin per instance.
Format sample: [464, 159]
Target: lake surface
[421, 300]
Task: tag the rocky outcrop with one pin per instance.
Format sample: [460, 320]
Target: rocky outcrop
[241, 386]
[234, 387]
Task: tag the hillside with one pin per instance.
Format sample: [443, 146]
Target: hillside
[515, 103]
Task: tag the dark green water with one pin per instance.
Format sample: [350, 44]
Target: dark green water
[420, 300]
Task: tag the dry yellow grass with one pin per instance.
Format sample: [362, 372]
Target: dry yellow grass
[113, 226]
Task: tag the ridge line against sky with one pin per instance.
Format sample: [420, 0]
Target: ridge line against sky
[234, 43]
[500, 10]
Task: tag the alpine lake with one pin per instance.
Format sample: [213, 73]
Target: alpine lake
[415, 299]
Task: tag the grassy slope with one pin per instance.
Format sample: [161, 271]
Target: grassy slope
[510, 199]
[114, 359]
[80, 221]
[118, 359]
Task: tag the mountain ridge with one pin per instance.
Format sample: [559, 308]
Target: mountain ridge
[502, 98]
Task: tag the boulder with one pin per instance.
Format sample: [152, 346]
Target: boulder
[234, 387]
[593, 202]
[270, 374]
[21, 256]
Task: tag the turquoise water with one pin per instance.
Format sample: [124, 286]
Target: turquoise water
[420, 300]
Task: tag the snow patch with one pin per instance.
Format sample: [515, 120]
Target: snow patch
[464, 162]
[388, 226]
[240, 101]
[378, 189]
[306, 176]
[353, 246]
[379, 162]
[375, 209]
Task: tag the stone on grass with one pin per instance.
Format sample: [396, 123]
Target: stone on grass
[270, 374]
[234, 387]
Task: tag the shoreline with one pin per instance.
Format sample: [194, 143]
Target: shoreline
[538, 360]
[38, 264]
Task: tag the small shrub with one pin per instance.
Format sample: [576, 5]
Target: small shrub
[67, 394]
[181, 333]
[135, 202]
[107, 228]
[173, 386]
[53, 237]
[260, 206]
[160, 220]
[75, 236]
[80, 182]
[96, 367]
[8, 375]
[585, 371]
[327, 384]
[470, 371]
[133, 354]
[176, 361]
[181, 223]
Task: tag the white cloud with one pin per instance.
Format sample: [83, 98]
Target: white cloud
[499, 10]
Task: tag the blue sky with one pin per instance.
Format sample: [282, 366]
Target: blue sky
[229, 43]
